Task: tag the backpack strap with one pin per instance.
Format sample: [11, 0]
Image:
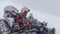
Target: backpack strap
[7, 24]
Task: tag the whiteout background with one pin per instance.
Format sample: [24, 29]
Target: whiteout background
[53, 21]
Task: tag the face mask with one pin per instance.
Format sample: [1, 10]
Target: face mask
[10, 20]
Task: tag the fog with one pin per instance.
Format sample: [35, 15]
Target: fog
[53, 21]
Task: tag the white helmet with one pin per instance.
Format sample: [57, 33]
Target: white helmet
[10, 9]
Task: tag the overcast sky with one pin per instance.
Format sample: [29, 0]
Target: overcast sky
[47, 6]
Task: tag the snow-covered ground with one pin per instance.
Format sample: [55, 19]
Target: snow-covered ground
[53, 21]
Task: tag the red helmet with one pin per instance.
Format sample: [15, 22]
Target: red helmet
[24, 9]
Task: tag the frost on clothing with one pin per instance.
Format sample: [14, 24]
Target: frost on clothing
[4, 28]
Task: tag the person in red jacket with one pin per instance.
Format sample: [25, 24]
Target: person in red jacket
[21, 17]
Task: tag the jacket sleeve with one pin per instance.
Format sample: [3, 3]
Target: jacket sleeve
[4, 28]
[18, 19]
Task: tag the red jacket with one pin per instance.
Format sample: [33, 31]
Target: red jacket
[18, 19]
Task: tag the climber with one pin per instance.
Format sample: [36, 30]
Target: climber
[21, 17]
[9, 14]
